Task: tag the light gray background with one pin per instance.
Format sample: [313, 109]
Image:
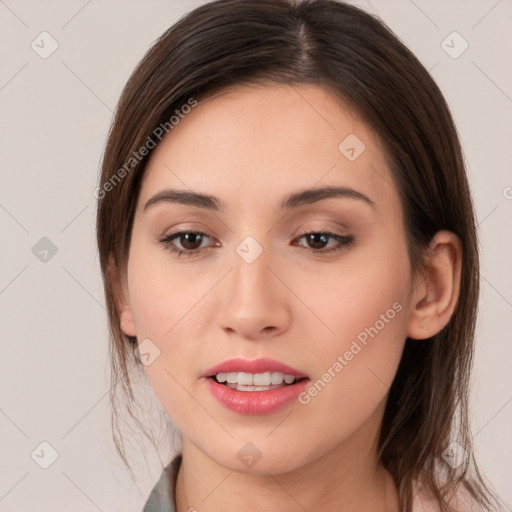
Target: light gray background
[55, 117]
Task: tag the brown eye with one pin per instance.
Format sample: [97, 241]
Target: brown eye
[189, 243]
[321, 242]
[317, 240]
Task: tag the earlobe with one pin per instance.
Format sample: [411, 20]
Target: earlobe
[121, 298]
[435, 297]
[127, 323]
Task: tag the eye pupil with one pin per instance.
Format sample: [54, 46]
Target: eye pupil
[317, 240]
[190, 240]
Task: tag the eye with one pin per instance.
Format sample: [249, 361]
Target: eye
[185, 242]
[320, 241]
[191, 243]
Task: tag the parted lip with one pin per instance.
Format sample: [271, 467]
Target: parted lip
[260, 365]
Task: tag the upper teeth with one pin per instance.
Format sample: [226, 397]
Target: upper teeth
[255, 379]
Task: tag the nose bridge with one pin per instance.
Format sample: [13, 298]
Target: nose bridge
[254, 302]
[251, 277]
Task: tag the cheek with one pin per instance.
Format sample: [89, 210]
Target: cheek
[361, 298]
[161, 294]
[363, 353]
[362, 305]
[168, 310]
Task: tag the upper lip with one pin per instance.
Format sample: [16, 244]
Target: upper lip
[260, 365]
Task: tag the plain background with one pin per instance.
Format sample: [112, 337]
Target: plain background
[56, 112]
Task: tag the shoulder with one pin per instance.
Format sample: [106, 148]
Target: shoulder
[459, 501]
[161, 498]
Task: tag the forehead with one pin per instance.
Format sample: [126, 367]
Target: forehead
[258, 143]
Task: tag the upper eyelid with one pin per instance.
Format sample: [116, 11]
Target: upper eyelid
[176, 234]
[200, 232]
[318, 218]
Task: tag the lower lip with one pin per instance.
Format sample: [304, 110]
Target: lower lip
[255, 402]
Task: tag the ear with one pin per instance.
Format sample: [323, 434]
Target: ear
[121, 295]
[436, 291]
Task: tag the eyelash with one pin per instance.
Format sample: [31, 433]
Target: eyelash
[344, 241]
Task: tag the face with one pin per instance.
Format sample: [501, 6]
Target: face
[314, 285]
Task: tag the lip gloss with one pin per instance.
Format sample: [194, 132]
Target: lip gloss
[255, 402]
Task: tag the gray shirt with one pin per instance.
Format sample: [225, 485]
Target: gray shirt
[161, 498]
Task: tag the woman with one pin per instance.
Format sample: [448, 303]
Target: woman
[289, 252]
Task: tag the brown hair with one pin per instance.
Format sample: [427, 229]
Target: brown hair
[351, 52]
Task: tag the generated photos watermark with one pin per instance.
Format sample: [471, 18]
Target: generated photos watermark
[355, 348]
[151, 142]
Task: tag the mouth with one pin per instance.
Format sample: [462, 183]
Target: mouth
[244, 381]
[257, 386]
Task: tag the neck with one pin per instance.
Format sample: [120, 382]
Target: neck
[348, 478]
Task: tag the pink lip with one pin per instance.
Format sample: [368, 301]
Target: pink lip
[261, 365]
[254, 402]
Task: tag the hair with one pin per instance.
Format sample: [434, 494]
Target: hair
[354, 54]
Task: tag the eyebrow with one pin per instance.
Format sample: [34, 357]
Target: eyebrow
[303, 197]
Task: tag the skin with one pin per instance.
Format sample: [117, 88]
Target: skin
[250, 147]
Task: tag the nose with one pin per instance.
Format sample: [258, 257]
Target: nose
[255, 304]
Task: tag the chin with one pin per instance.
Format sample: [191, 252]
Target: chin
[261, 458]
